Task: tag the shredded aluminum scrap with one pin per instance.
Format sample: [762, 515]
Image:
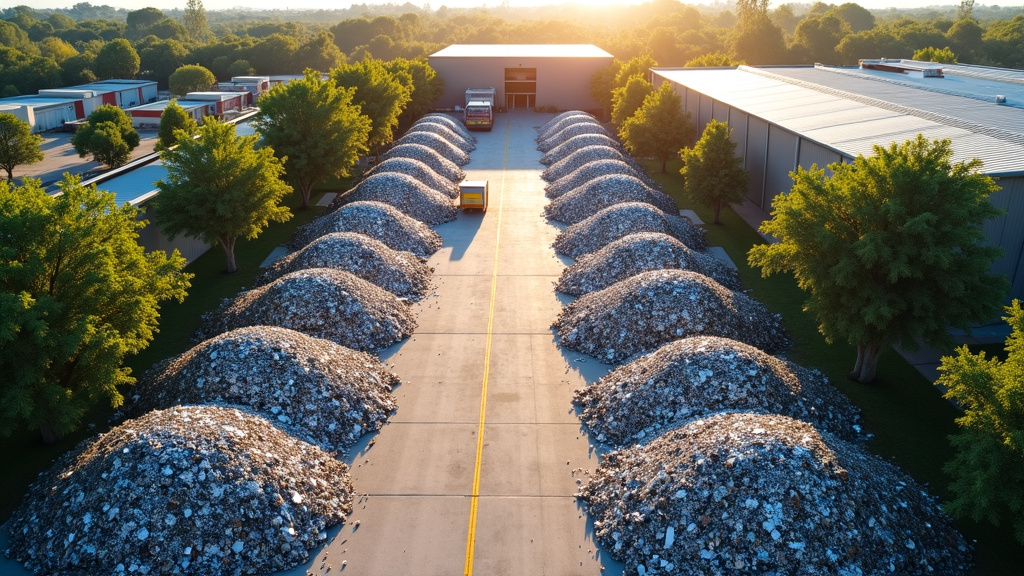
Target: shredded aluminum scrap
[313, 389]
[377, 220]
[639, 314]
[636, 253]
[696, 377]
[445, 132]
[419, 171]
[204, 490]
[743, 493]
[575, 143]
[589, 171]
[582, 157]
[404, 192]
[320, 302]
[439, 144]
[562, 120]
[458, 127]
[402, 273]
[620, 220]
[575, 129]
[585, 201]
[438, 163]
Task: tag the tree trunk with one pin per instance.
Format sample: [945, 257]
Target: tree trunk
[49, 432]
[228, 244]
[10, 174]
[664, 162]
[305, 190]
[867, 363]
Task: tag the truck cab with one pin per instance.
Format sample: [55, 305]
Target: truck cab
[479, 115]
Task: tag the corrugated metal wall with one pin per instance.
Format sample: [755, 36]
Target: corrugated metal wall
[1007, 232]
[757, 146]
[720, 111]
[152, 238]
[781, 161]
[738, 124]
[813, 153]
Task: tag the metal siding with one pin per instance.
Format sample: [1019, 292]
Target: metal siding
[692, 104]
[813, 153]
[756, 158]
[720, 111]
[706, 104]
[781, 161]
[738, 124]
[1007, 232]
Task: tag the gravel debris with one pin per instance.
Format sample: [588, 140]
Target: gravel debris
[570, 131]
[590, 171]
[462, 143]
[440, 144]
[562, 120]
[619, 220]
[438, 163]
[457, 126]
[204, 490]
[377, 220]
[575, 143]
[639, 314]
[585, 201]
[419, 171]
[744, 493]
[426, 204]
[699, 376]
[320, 302]
[582, 157]
[402, 273]
[313, 389]
[636, 253]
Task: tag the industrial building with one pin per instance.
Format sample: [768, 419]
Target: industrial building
[148, 115]
[54, 107]
[784, 117]
[523, 75]
[42, 113]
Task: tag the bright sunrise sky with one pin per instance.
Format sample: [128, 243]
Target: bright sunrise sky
[301, 4]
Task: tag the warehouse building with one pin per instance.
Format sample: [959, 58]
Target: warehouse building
[121, 93]
[523, 75]
[43, 113]
[148, 115]
[784, 117]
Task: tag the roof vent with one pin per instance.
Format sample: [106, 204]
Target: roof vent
[1000, 99]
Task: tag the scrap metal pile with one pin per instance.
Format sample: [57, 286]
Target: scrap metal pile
[730, 460]
[228, 465]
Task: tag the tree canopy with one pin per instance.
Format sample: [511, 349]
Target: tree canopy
[890, 248]
[174, 119]
[108, 135]
[380, 95]
[220, 187]
[712, 173]
[77, 295]
[988, 467]
[314, 127]
[191, 78]
[627, 99]
[659, 127]
[117, 59]
[18, 145]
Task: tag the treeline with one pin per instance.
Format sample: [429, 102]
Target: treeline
[52, 48]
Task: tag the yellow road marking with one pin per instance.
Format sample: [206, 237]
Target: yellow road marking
[475, 496]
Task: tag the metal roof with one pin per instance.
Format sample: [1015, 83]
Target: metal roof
[161, 104]
[849, 113]
[521, 51]
[37, 101]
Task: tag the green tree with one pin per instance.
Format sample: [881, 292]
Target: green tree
[988, 467]
[18, 145]
[890, 247]
[57, 49]
[319, 53]
[220, 187]
[191, 78]
[77, 295]
[627, 99]
[965, 38]
[855, 15]
[817, 37]
[172, 120]
[380, 95]
[932, 54]
[757, 40]
[711, 61]
[425, 86]
[659, 127]
[601, 85]
[108, 135]
[117, 59]
[712, 173]
[315, 129]
[240, 68]
[137, 22]
[195, 22]
[158, 59]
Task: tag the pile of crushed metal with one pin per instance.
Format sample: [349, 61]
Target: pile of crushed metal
[377, 220]
[444, 167]
[409, 195]
[205, 490]
[420, 172]
[747, 493]
[731, 460]
[320, 302]
[457, 151]
[314, 389]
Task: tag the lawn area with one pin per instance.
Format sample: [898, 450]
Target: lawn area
[906, 414]
[25, 453]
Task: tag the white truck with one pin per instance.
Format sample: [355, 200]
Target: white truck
[479, 114]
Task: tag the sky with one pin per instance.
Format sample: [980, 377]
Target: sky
[311, 4]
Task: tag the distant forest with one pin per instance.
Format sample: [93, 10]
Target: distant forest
[42, 48]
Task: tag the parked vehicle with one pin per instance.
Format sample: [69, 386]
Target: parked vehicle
[479, 113]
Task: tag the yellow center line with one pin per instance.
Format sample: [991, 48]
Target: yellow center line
[475, 496]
